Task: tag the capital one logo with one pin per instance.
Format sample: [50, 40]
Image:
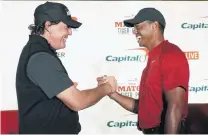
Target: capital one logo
[195, 26]
[128, 57]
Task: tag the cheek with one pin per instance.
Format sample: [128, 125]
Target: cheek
[146, 33]
[65, 32]
[57, 35]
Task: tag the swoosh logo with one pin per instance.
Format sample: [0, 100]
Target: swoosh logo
[74, 18]
[129, 114]
[75, 84]
[143, 49]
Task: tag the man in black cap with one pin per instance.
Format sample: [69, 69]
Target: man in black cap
[162, 106]
[48, 101]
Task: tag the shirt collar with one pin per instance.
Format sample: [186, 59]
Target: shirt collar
[41, 40]
[156, 49]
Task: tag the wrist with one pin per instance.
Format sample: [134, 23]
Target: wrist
[113, 95]
[104, 89]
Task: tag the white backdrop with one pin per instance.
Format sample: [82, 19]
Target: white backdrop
[102, 35]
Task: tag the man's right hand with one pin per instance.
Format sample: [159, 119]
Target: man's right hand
[108, 80]
[72, 96]
[126, 102]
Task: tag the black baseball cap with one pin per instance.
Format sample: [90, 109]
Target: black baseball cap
[146, 14]
[51, 11]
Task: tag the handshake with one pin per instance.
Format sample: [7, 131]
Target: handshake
[109, 84]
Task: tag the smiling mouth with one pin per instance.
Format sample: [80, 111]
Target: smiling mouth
[65, 38]
[138, 38]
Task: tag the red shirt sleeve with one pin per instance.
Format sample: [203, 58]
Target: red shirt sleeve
[175, 71]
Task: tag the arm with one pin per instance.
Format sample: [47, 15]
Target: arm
[127, 103]
[175, 100]
[175, 78]
[78, 100]
[47, 72]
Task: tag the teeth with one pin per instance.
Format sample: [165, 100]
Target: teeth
[65, 38]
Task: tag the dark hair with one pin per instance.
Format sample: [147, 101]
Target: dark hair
[39, 29]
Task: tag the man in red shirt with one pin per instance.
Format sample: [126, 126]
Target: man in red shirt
[162, 106]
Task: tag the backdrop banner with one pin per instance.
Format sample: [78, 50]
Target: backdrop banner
[103, 45]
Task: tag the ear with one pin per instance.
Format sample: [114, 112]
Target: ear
[47, 24]
[155, 25]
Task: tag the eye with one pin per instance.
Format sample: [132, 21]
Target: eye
[134, 31]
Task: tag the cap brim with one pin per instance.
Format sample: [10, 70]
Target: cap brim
[72, 23]
[130, 22]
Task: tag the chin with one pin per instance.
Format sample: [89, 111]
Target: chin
[140, 45]
[63, 46]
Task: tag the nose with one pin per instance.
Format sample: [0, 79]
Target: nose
[134, 31]
[69, 31]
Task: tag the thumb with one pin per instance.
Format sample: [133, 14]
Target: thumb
[99, 78]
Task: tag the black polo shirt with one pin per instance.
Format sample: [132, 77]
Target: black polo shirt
[40, 77]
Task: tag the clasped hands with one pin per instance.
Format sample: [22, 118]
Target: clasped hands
[110, 81]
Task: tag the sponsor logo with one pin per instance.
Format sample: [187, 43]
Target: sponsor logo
[121, 124]
[192, 55]
[126, 58]
[75, 19]
[61, 54]
[68, 13]
[195, 26]
[132, 57]
[130, 88]
[122, 29]
[196, 89]
[143, 49]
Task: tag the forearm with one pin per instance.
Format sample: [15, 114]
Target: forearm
[92, 96]
[172, 120]
[124, 101]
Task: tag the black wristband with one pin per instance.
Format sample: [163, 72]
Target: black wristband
[136, 104]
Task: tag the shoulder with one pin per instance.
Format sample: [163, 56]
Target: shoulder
[173, 51]
[173, 55]
[171, 48]
[43, 60]
[42, 55]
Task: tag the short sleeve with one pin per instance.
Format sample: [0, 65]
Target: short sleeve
[48, 73]
[175, 71]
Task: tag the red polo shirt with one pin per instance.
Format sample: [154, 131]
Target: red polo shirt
[167, 68]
